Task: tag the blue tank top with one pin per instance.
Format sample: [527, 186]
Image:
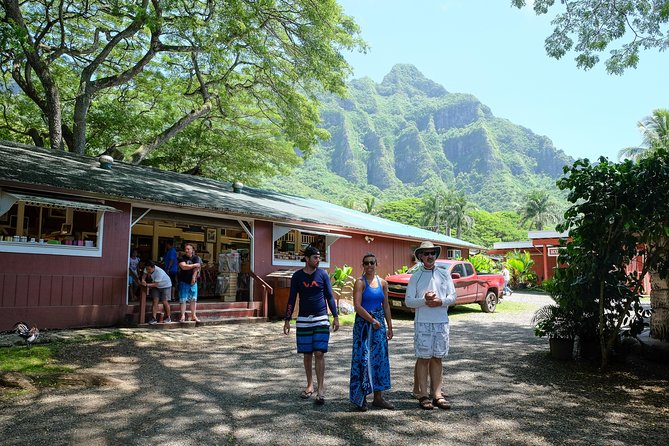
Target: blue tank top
[372, 298]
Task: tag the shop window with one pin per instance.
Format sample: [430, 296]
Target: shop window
[453, 254]
[290, 242]
[50, 225]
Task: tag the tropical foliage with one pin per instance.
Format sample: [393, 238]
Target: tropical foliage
[655, 132]
[342, 281]
[520, 265]
[434, 212]
[539, 210]
[483, 264]
[491, 227]
[554, 321]
[596, 24]
[406, 210]
[223, 89]
[619, 211]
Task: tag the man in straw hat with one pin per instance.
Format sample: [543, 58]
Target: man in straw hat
[430, 292]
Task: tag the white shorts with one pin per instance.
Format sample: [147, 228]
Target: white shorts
[431, 340]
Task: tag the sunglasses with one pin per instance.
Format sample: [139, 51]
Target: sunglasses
[369, 262]
[429, 253]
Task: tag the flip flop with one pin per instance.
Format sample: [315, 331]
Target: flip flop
[306, 395]
[320, 400]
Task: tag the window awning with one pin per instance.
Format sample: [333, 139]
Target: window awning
[185, 219]
[8, 199]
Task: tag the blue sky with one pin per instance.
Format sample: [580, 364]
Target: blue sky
[495, 52]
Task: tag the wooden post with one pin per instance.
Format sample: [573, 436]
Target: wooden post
[142, 304]
[545, 259]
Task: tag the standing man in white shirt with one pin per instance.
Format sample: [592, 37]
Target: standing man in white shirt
[430, 292]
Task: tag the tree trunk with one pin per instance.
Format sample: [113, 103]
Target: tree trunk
[659, 296]
[51, 94]
[82, 105]
[145, 149]
[659, 302]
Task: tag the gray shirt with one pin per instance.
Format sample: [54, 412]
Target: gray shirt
[160, 277]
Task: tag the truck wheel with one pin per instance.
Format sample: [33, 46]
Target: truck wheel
[490, 303]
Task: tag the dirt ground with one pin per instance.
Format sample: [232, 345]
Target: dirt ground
[239, 384]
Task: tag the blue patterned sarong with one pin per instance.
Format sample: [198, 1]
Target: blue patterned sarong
[370, 366]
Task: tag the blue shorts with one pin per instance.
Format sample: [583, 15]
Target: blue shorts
[312, 333]
[187, 292]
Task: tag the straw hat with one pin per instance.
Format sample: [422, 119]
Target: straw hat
[425, 246]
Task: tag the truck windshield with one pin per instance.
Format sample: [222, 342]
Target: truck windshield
[440, 264]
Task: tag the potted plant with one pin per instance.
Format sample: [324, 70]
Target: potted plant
[557, 324]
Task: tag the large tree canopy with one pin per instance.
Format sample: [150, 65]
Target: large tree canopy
[595, 24]
[220, 88]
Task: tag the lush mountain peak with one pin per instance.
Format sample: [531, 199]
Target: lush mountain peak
[408, 136]
[405, 78]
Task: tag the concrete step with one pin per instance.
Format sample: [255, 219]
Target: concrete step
[204, 322]
[206, 311]
[206, 305]
[211, 313]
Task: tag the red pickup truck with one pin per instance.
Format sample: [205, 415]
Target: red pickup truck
[484, 289]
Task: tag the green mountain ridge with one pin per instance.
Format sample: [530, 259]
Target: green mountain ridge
[408, 135]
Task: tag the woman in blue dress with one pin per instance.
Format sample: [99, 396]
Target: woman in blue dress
[370, 366]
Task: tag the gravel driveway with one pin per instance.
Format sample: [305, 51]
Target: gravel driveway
[239, 384]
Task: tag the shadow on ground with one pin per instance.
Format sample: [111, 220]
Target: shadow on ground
[240, 385]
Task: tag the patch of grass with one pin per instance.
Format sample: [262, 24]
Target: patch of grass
[9, 394]
[502, 307]
[38, 363]
[36, 360]
[346, 319]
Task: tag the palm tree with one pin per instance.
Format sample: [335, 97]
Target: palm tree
[457, 217]
[369, 204]
[539, 210]
[655, 131]
[434, 213]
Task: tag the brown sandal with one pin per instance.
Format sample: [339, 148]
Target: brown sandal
[425, 403]
[441, 403]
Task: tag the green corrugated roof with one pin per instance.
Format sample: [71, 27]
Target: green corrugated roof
[27, 165]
